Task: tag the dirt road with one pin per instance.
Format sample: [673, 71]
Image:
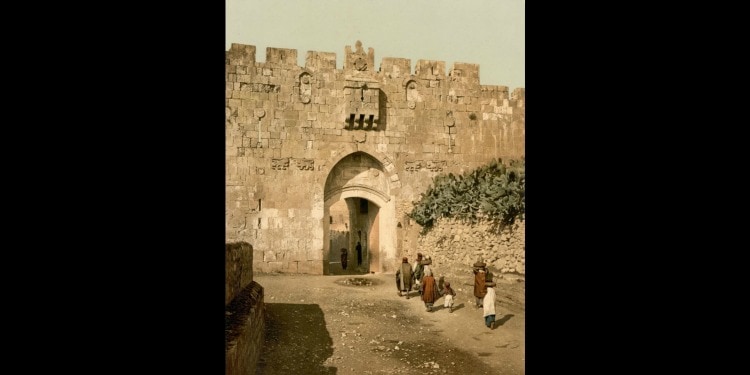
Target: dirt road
[357, 324]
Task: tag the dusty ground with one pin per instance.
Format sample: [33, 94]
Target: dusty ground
[357, 324]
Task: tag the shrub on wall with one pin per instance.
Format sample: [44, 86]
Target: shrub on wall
[494, 192]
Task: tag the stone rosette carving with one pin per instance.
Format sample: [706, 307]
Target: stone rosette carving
[359, 60]
[360, 64]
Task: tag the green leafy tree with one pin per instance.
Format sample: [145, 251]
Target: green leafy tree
[494, 192]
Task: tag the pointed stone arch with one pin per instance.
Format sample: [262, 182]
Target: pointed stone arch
[356, 174]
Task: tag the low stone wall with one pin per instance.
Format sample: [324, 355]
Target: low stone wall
[451, 242]
[244, 330]
[238, 267]
[245, 311]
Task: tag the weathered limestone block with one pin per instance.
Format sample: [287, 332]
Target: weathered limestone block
[241, 54]
[314, 267]
[320, 61]
[281, 56]
[430, 69]
[239, 272]
[393, 67]
[464, 73]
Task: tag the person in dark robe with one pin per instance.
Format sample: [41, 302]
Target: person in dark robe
[404, 277]
[359, 253]
[344, 257]
[430, 292]
[480, 278]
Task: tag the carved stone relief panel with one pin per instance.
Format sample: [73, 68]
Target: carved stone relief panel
[431, 165]
[413, 166]
[305, 164]
[436, 165]
[259, 87]
[280, 164]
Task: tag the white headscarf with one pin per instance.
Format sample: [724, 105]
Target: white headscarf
[489, 301]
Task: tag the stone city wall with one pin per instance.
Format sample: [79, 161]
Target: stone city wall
[300, 137]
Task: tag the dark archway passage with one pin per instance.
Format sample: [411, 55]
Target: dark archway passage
[353, 227]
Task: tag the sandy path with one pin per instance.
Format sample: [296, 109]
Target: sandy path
[322, 325]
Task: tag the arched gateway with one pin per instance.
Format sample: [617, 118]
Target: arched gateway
[361, 181]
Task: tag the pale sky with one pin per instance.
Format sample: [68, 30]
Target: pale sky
[490, 33]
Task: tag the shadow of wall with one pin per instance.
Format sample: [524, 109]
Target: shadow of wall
[297, 337]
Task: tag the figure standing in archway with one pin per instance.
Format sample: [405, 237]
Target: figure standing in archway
[359, 253]
[344, 257]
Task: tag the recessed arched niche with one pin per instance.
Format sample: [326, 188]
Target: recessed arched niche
[305, 87]
[411, 89]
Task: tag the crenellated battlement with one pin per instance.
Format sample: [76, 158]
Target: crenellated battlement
[358, 62]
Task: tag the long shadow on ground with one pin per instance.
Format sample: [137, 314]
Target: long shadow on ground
[296, 341]
[504, 319]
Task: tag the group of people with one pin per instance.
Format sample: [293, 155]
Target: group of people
[345, 256]
[419, 276]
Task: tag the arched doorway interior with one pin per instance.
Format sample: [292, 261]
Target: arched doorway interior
[358, 210]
